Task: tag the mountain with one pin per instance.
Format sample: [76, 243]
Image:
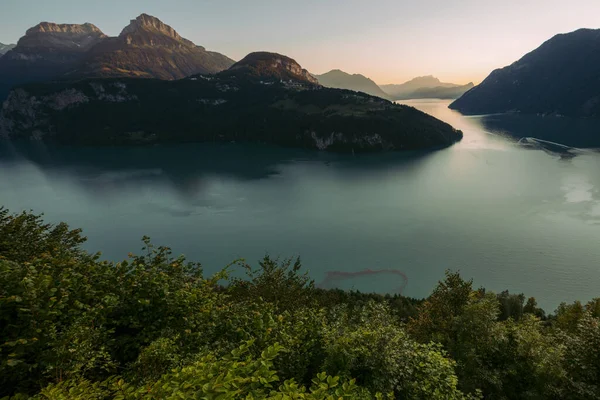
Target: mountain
[266, 97]
[47, 51]
[560, 77]
[271, 65]
[4, 48]
[441, 92]
[146, 48]
[419, 86]
[359, 83]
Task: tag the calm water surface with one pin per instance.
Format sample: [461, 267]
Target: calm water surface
[522, 216]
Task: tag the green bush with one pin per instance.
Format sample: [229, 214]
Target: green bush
[154, 327]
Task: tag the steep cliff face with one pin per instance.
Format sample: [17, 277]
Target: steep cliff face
[148, 48]
[48, 36]
[28, 114]
[147, 30]
[559, 77]
[271, 65]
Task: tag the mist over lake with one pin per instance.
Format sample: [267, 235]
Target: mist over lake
[515, 204]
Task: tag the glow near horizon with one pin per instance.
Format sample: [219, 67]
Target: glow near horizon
[389, 41]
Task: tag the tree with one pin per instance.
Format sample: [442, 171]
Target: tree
[370, 345]
[582, 357]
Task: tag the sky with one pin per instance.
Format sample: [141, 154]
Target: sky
[390, 41]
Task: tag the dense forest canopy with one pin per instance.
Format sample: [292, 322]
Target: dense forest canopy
[154, 327]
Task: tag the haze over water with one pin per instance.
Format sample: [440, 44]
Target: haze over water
[522, 218]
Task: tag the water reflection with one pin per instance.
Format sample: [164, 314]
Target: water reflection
[188, 168]
[499, 130]
[551, 130]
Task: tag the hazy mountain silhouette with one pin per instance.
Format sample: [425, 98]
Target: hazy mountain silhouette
[424, 87]
[441, 92]
[342, 80]
[4, 48]
[560, 77]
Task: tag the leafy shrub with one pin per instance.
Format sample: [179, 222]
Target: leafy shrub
[153, 327]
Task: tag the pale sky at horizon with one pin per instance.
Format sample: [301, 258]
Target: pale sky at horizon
[390, 41]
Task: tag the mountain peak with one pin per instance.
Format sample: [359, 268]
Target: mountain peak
[70, 37]
[272, 65]
[146, 29]
[77, 29]
[426, 79]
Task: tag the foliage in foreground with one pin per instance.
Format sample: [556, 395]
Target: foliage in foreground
[154, 327]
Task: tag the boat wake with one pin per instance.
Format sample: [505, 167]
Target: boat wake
[553, 148]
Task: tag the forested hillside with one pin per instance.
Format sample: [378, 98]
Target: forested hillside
[154, 327]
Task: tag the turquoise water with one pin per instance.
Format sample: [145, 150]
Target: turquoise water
[518, 216]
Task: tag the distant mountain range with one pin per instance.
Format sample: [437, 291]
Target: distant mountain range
[146, 48]
[342, 80]
[561, 77]
[425, 87]
[417, 88]
[4, 48]
[266, 97]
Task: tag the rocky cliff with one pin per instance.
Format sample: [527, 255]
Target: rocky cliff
[146, 48]
[561, 77]
[47, 51]
[253, 101]
[51, 37]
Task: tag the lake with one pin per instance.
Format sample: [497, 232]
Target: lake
[515, 205]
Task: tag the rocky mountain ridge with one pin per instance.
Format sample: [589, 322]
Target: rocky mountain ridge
[143, 30]
[146, 48]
